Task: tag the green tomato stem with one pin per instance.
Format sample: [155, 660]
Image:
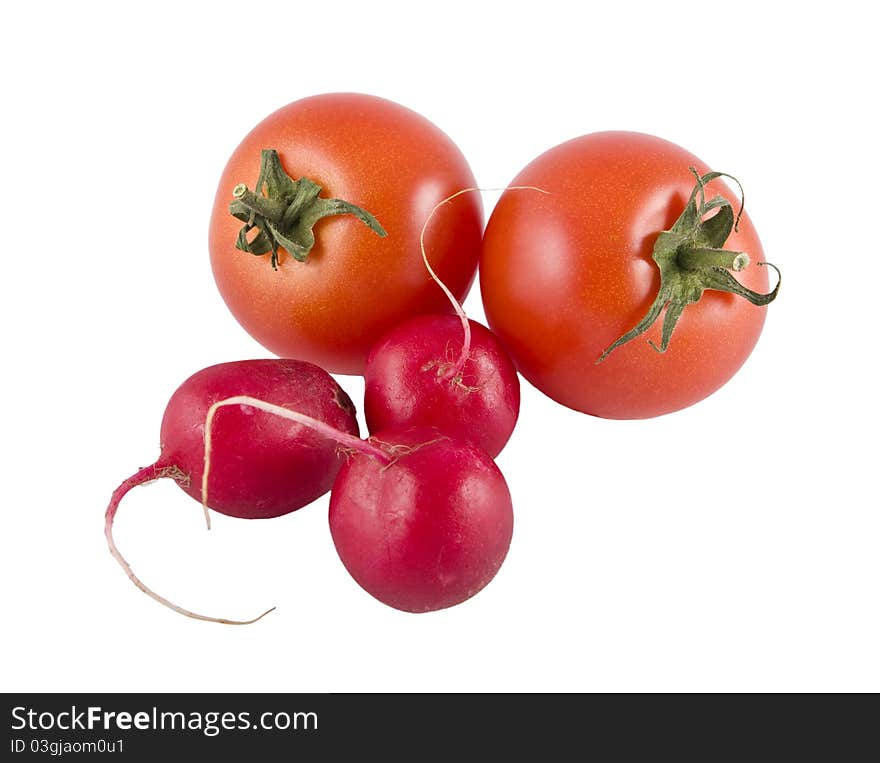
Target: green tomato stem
[696, 258]
[691, 259]
[271, 209]
[285, 211]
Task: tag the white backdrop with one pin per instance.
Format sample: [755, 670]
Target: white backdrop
[731, 546]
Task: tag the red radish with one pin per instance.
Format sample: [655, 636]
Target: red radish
[442, 371]
[408, 382]
[260, 465]
[421, 520]
[427, 530]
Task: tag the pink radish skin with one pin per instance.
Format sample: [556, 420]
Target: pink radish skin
[412, 380]
[448, 372]
[261, 465]
[426, 531]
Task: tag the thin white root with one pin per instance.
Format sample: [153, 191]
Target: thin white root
[148, 474]
[455, 370]
[343, 438]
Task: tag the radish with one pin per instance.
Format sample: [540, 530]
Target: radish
[413, 378]
[260, 465]
[421, 520]
[442, 371]
[427, 529]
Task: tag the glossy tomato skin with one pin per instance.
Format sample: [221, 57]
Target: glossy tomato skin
[355, 285]
[563, 275]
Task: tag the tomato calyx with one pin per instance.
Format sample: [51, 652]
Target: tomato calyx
[691, 259]
[285, 210]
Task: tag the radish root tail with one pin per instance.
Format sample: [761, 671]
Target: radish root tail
[141, 477]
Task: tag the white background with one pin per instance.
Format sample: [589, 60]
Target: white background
[731, 546]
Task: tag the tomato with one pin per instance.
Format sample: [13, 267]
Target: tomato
[354, 284]
[565, 274]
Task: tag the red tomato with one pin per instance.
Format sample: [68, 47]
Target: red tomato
[563, 275]
[354, 285]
